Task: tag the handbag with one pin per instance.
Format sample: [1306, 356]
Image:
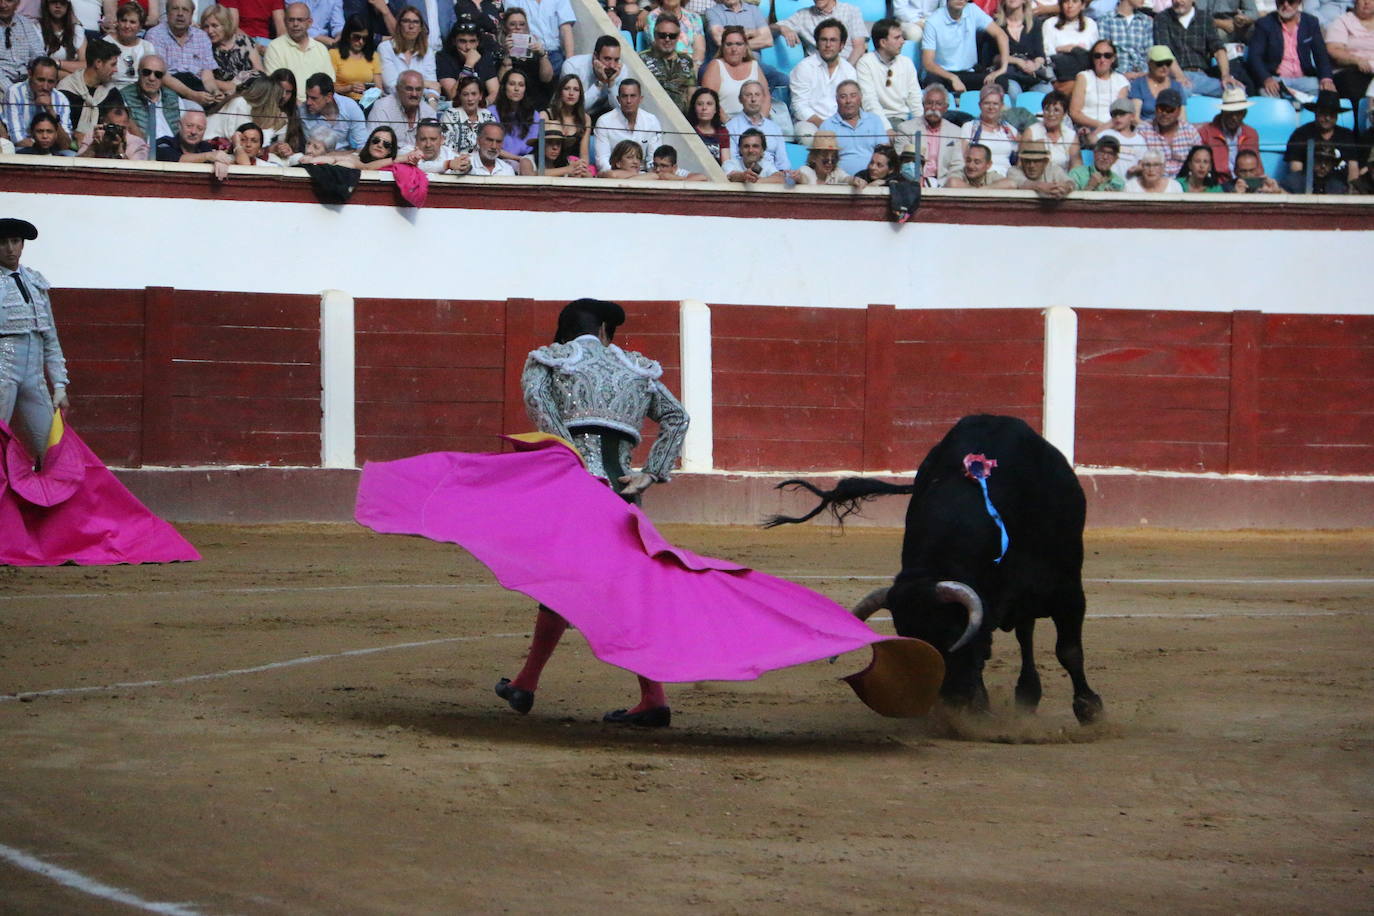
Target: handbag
[1071, 63]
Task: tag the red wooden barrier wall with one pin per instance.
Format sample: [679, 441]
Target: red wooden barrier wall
[1229, 393]
[789, 388]
[429, 376]
[951, 363]
[168, 377]
[1314, 394]
[1154, 389]
[102, 337]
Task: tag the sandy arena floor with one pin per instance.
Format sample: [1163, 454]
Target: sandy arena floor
[379, 775]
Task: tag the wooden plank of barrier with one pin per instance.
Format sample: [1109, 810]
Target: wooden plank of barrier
[879, 374]
[159, 333]
[1243, 420]
[519, 331]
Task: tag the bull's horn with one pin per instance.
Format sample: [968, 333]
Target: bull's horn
[960, 593]
[874, 601]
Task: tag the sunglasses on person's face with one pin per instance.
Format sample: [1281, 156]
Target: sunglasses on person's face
[144, 71]
[383, 143]
[662, 35]
[1165, 108]
[1103, 55]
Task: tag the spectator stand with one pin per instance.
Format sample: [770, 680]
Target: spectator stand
[692, 155]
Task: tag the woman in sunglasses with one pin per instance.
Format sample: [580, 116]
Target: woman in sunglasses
[357, 65]
[1094, 91]
[377, 153]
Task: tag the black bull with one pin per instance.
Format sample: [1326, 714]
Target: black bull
[952, 591]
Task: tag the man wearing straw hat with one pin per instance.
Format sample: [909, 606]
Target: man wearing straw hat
[1227, 133]
[28, 341]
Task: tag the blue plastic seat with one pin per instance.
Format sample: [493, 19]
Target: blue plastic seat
[1273, 161]
[968, 102]
[1031, 101]
[1274, 120]
[781, 56]
[871, 10]
[796, 155]
[1201, 108]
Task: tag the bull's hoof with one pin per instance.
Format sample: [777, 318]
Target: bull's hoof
[1088, 708]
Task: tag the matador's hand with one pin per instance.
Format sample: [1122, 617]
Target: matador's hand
[636, 483]
[59, 399]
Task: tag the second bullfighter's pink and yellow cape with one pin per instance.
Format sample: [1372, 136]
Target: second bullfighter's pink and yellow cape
[548, 529]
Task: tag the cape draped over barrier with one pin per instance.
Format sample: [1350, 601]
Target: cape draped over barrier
[548, 529]
[74, 510]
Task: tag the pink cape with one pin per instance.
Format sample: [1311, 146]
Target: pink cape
[548, 529]
[75, 511]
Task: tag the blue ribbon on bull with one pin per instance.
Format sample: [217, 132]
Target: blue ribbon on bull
[978, 468]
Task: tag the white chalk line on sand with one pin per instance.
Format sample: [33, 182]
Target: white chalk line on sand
[1252, 581]
[80, 882]
[256, 669]
[478, 586]
[254, 590]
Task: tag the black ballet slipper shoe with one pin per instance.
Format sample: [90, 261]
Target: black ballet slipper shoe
[522, 701]
[658, 717]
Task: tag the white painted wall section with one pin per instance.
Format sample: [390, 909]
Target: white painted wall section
[338, 359]
[402, 252]
[698, 396]
[1061, 377]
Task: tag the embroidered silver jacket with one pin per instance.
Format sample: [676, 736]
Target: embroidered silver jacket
[584, 383]
[20, 317]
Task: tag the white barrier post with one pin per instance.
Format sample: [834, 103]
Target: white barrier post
[697, 397]
[1061, 377]
[338, 431]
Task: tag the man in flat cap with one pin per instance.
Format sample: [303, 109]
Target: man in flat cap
[596, 396]
[28, 341]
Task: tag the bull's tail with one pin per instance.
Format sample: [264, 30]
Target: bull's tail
[847, 498]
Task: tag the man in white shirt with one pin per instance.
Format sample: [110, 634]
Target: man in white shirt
[432, 156]
[750, 167]
[802, 24]
[751, 96]
[489, 163]
[815, 79]
[890, 86]
[600, 73]
[296, 50]
[626, 123]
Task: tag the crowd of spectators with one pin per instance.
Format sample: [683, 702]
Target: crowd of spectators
[486, 87]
